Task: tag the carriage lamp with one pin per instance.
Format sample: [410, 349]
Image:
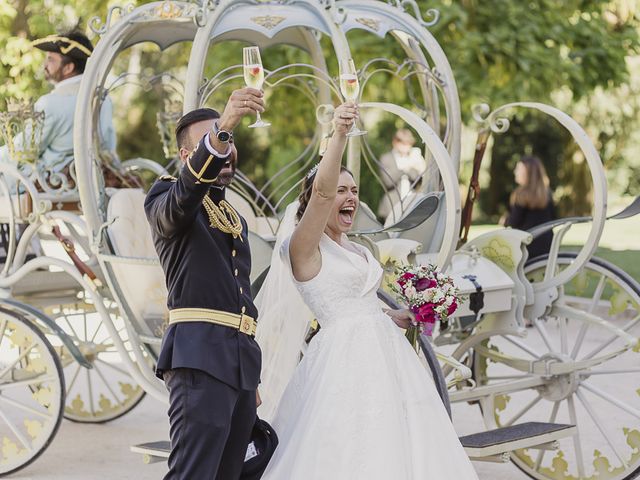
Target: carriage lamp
[21, 130]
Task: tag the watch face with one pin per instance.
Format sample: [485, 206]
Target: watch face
[223, 136]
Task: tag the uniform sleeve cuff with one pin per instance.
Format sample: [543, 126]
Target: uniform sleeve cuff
[212, 150]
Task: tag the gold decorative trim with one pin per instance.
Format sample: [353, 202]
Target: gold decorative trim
[369, 23]
[268, 21]
[168, 10]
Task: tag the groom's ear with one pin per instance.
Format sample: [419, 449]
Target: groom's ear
[184, 154]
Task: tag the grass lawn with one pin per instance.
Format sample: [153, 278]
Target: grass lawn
[619, 244]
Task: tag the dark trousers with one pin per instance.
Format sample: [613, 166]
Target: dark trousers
[210, 426]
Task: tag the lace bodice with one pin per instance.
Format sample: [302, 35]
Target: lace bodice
[345, 287]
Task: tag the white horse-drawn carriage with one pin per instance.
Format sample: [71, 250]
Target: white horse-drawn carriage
[83, 302]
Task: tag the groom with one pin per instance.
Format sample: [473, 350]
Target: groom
[209, 359]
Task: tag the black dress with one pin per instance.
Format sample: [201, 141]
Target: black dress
[524, 218]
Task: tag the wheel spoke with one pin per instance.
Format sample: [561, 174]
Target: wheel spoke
[104, 380]
[93, 338]
[552, 419]
[598, 423]
[543, 333]
[563, 335]
[117, 369]
[605, 396]
[10, 367]
[580, 339]
[21, 406]
[73, 330]
[522, 346]
[524, 410]
[22, 383]
[612, 339]
[507, 377]
[577, 445]
[73, 380]
[15, 431]
[588, 373]
[90, 387]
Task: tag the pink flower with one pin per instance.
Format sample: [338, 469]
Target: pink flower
[452, 308]
[405, 277]
[424, 313]
[425, 283]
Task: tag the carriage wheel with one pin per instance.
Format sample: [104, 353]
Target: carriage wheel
[31, 392]
[603, 401]
[102, 393]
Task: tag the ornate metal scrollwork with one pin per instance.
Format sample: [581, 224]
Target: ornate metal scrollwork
[482, 114]
[202, 13]
[99, 27]
[21, 130]
[432, 14]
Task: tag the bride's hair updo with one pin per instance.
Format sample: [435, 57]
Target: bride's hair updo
[307, 187]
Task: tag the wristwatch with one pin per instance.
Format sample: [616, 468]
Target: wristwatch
[222, 135]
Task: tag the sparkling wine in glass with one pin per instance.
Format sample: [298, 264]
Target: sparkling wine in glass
[350, 87]
[254, 76]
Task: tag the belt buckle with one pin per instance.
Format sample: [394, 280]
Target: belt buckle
[245, 324]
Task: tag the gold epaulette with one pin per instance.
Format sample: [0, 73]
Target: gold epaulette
[168, 178]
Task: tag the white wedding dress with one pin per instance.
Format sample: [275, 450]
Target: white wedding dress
[360, 405]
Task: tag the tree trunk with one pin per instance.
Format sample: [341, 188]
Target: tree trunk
[20, 26]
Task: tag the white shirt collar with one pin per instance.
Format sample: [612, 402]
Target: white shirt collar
[69, 81]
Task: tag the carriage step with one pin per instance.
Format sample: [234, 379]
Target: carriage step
[494, 444]
[483, 445]
[153, 452]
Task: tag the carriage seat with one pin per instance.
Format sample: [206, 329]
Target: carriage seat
[141, 286]
[136, 269]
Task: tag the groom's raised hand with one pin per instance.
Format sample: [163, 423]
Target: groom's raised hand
[244, 101]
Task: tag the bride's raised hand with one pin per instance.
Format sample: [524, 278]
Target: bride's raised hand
[344, 117]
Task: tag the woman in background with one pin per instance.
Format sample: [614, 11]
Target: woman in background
[531, 203]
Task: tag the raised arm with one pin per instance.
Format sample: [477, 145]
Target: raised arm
[303, 248]
[172, 206]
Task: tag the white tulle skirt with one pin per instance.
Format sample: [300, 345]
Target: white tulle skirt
[361, 405]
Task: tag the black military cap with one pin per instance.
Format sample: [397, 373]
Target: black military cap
[74, 45]
[265, 441]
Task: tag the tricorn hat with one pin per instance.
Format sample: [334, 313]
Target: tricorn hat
[74, 45]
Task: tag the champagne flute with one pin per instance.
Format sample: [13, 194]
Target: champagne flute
[254, 77]
[350, 87]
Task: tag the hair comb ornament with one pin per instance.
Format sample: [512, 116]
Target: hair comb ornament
[313, 171]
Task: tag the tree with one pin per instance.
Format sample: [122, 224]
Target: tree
[503, 51]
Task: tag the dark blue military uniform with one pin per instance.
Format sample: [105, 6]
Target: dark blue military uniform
[211, 371]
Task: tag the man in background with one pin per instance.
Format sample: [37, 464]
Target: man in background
[400, 168]
[65, 61]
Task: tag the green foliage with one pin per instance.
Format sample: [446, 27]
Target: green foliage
[503, 51]
[23, 21]
[506, 50]
[574, 54]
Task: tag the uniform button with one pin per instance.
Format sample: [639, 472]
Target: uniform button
[233, 253]
[235, 272]
[240, 290]
[243, 309]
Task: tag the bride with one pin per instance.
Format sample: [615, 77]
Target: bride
[360, 405]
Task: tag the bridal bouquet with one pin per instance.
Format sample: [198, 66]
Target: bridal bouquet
[430, 295]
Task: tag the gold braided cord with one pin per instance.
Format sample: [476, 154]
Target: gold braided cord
[223, 217]
[71, 44]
